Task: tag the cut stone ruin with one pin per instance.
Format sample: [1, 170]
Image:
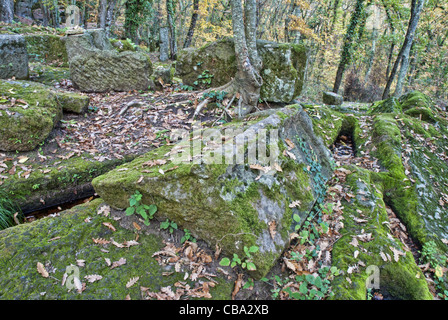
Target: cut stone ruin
[13, 57]
[95, 65]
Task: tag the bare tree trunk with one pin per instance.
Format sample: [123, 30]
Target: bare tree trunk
[247, 80]
[348, 43]
[335, 14]
[416, 9]
[106, 14]
[6, 11]
[194, 19]
[102, 9]
[171, 28]
[402, 74]
[372, 54]
[292, 35]
[389, 59]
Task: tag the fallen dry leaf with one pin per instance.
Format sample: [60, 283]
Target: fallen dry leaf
[41, 269]
[132, 281]
[118, 263]
[92, 278]
[238, 285]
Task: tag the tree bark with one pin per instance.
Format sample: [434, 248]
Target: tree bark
[335, 15]
[106, 15]
[6, 11]
[371, 55]
[247, 79]
[194, 19]
[348, 43]
[171, 28]
[292, 36]
[416, 9]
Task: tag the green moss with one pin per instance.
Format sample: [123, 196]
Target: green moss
[59, 242]
[391, 105]
[126, 45]
[396, 278]
[327, 123]
[48, 48]
[48, 75]
[67, 174]
[415, 99]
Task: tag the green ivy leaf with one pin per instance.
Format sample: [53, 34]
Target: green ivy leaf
[130, 211]
[224, 262]
[318, 282]
[304, 287]
[251, 266]
[253, 249]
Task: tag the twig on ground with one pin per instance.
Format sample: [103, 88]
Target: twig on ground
[200, 106]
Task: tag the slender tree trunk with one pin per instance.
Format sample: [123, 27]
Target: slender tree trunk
[335, 15]
[172, 28]
[372, 54]
[106, 14]
[102, 9]
[416, 9]
[247, 80]
[56, 14]
[194, 19]
[348, 43]
[389, 59]
[6, 11]
[292, 35]
[402, 74]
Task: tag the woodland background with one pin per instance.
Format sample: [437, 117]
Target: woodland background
[377, 29]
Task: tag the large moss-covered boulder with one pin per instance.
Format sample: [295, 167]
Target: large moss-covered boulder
[48, 75]
[411, 180]
[232, 205]
[368, 248]
[331, 98]
[283, 67]
[95, 66]
[14, 57]
[40, 260]
[414, 104]
[29, 111]
[47, 48]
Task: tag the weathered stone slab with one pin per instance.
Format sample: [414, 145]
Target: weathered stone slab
[331, 98]
[232, 204]
[30, 111]
[58, 242]
[13, 57]
[95, 65]
[283, 67]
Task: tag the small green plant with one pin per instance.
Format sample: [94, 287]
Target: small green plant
[244, 262]
[92, 109]
[218, 95]
[36, 186]
[161, 134]
[205, 78]
[187, 236]
[296, 256]
[369, 294]
[10, 213]
[145, 211]
[168, 225]
[430, 255]
[187, 88]
[249, 283]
